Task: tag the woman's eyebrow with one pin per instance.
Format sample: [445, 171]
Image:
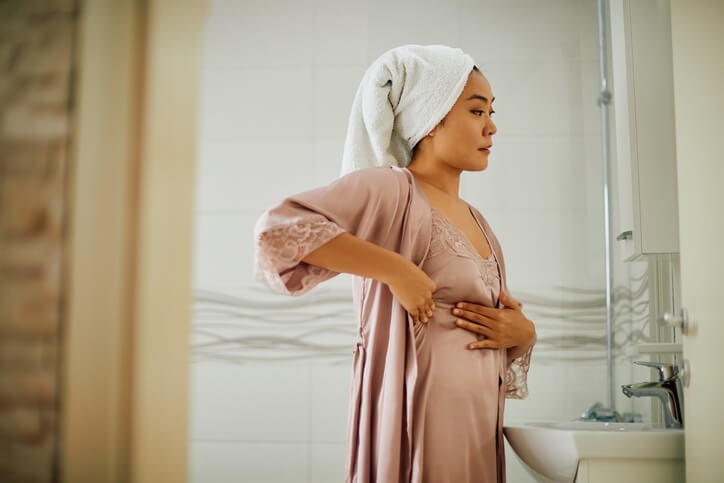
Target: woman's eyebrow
[482, 98]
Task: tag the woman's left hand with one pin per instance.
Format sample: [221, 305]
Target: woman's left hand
[502, 328]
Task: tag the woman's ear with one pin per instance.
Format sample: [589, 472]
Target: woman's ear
[436, 128]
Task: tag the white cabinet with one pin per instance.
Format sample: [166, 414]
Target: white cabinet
[643, 100]
[645, 470]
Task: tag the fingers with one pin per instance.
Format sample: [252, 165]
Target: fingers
[467, 309]
[509, 301]
[417, 316]
[477, 328]
[477, 317]
[484, 344]
[489, 342]
[424, 313]
[427, 311]
[505, 298]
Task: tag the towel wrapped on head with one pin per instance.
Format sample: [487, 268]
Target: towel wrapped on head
[403, 95]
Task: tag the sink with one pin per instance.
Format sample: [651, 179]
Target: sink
[553, 451]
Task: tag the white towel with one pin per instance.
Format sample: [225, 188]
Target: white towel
[403, 95]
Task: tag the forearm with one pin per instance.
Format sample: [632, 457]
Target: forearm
[347, 253]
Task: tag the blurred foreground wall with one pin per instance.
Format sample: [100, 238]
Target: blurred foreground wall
[36, 107]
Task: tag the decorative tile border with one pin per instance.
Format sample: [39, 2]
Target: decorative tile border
[258, 326]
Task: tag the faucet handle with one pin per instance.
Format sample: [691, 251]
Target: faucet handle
[666, 371]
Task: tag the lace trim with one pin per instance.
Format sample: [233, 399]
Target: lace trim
[516, 376]
[279, 254]
[446, 234]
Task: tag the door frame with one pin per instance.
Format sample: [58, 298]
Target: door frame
[699, 102]
[127, 313]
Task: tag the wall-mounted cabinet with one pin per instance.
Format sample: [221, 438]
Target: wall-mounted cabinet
[643, 100]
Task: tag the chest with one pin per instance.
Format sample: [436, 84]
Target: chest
[460, 218]
[459, 271]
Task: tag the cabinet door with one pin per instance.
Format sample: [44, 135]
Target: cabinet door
[621, 66]
[644, 116]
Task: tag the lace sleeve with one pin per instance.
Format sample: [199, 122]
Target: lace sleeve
[279, 254]
[516, 376]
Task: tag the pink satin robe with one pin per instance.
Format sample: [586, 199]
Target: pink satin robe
[389, 406]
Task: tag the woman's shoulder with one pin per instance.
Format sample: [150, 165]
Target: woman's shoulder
[385, 174]
[373, 188]
[478, 214]
[378, 179]
[472, 207]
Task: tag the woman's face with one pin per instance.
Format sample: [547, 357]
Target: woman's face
[467, 128]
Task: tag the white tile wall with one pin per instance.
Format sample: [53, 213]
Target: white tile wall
[340, 19]
[277, 84]
[249, 462]
[251, 402]
[280, 33]
[247, 175]
[330, 396]
[224, 250]
[264, 101]
[529, 30]
[543, 97]
[327, 462]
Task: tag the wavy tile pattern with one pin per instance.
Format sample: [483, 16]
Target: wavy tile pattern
[258, 326]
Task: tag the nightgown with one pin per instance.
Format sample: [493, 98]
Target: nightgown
[457, 388]
[423, 407]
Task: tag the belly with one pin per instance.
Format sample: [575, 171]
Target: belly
[443, 355]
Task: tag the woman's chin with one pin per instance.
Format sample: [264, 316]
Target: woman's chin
[477, 165]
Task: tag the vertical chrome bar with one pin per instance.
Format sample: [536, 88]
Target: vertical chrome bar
[603, 101]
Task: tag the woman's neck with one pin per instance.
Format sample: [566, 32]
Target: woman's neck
[445, 181]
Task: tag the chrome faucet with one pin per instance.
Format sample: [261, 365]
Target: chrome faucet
[668, 389]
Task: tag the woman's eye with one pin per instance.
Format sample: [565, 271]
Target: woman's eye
[481, 113]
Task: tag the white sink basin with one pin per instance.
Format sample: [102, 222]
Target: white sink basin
[551, 451]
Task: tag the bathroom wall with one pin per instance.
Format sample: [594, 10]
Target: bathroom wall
[270, 374]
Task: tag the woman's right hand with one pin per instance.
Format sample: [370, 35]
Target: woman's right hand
[413, 289]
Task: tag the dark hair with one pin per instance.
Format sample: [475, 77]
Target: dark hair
[414, 148]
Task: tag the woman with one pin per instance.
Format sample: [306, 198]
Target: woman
[442, 343]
